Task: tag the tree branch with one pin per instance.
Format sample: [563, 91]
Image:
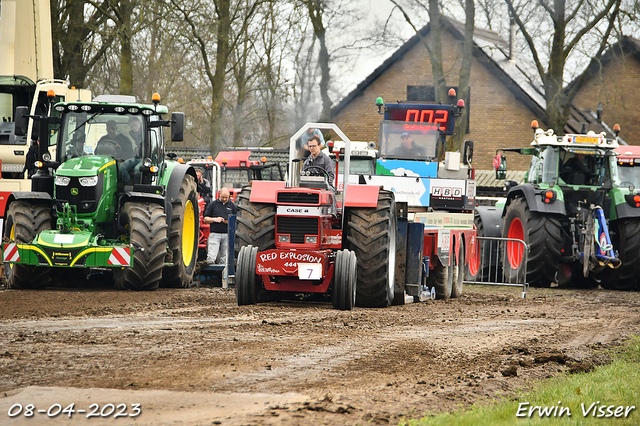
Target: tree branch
[590, 25]
[528, 39]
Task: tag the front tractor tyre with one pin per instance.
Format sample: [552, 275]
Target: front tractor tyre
[147, 225]
[183, 236]
[345, 277]
[441, 278]
[371, 234]
[255, 223]
[246, 279]
[542, 233]
[24, 221]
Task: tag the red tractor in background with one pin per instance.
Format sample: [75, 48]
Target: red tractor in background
[238, 170]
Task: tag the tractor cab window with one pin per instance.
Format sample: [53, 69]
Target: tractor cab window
[235, 178]
[549, 160]
[628, 173]
[403, 141]
[154, 145]
[111, 134]
[358, 166]
[582, 167]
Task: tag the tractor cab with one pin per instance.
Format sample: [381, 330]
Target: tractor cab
[628, 160]
[238, 169]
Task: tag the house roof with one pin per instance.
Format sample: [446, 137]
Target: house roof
[625, 46]
[273, 155]
[492, 51]
[489, 49]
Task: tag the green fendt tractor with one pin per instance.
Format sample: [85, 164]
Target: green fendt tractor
[105, 201]
[579, 216]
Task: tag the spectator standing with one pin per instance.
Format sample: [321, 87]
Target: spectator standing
[217, 216]
[204, 187]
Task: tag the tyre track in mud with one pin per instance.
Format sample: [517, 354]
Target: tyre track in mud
[366, 365]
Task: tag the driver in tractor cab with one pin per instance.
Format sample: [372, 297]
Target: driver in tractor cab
[575, 171]
[113, 143]
[318, 161]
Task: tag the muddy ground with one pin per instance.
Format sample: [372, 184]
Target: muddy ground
[193, 357]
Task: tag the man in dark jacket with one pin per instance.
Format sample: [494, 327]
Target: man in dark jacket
[204, 188]
[408, 148]
[319, 160]
[217, 216]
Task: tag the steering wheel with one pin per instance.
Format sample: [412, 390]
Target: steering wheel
[323, 171]
[107, 147]
[72, 151]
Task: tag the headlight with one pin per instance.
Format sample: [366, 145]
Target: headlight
[146, 162]
[311, 240]
[283, 238]
[62, 180]
[46, 156]
[89, 181]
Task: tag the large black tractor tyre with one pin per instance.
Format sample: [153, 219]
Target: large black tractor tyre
[25, 220]
[345, 277]
[371, 234]
[542, 233]
[246, 279]
[441, 278]
[255, 226]
[625, 237]
[458, 270]
[183, 236]
[147, 225]
[255, 223]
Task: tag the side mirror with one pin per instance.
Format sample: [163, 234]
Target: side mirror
[21, 120]
[177, 126]
[500, 166]
[467, 153]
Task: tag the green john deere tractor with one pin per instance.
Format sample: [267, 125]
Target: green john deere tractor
[104, 199]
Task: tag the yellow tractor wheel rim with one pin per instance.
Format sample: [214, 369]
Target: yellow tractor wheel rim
[188, 233]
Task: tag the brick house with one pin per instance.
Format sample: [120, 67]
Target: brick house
[504, 97]
[614, 83]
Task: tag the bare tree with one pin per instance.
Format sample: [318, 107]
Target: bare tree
[316, 12]
[434, 49]
[570, 23]
[278, 27]
[80, 39]
[198, 18]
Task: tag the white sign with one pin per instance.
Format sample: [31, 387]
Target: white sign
[63, 238]
[301, 210]
[310, 271]
[444, 240]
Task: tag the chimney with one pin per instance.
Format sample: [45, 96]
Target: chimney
[512, 36]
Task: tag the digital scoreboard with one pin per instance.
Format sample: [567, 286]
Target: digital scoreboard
[422, 117]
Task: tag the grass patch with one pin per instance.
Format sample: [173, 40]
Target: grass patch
[616, 384]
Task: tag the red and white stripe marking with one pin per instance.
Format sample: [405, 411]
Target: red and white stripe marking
[120, 256]
[10, 253]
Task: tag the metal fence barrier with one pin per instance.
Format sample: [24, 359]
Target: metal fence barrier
[493, 257]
